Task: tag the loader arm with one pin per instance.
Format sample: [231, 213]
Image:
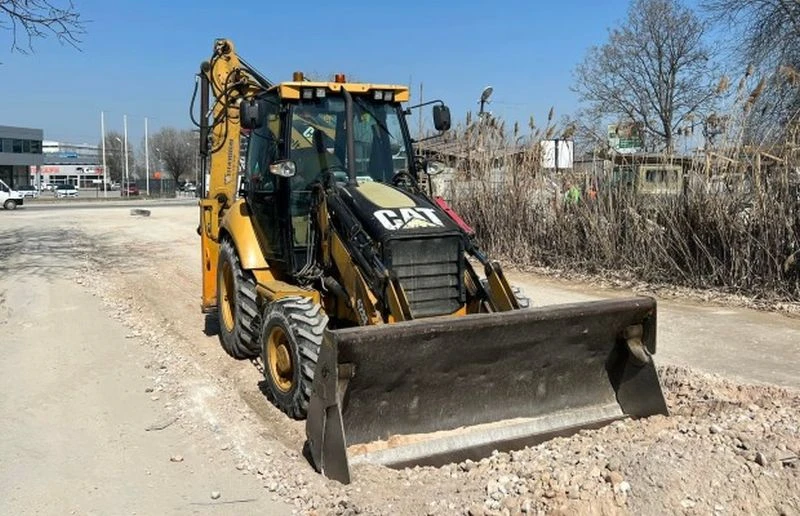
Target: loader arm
[229, 81]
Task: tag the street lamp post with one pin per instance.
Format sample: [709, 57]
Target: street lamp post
[485, 94]
[103, 140]
[120, 153]
[146, 158]
[125, 123]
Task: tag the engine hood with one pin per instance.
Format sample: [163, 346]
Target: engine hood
[388, 212]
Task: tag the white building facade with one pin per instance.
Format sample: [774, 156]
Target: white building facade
[68, 163]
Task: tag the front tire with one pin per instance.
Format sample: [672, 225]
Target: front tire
[291, 336]
[236, 305]
[10, 205]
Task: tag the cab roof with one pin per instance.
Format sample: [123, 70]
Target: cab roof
[293, 89]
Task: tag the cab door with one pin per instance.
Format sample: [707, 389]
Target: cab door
[265, 191]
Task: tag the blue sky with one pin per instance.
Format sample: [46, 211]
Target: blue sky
[140, 58]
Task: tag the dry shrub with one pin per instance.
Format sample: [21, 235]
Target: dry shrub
[738, 232]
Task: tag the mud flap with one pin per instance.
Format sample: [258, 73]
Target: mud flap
[440, 390]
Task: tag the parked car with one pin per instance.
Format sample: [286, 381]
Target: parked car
[28, 191]
[62, 191]
[130, 189]
[9, 199]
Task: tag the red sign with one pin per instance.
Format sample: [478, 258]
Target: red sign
[68, 170]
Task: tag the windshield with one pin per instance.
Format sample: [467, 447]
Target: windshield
[319, 141]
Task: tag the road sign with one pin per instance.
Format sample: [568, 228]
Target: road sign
[557, 153]
[625, 138]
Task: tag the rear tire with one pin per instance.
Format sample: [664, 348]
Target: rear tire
[10, 205]
[291, 336]
[237, 310]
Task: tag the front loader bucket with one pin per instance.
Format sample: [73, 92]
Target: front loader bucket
[440, 390]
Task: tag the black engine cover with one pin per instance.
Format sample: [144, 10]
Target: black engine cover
[418, 243]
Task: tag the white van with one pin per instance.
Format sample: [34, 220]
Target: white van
[9, 199]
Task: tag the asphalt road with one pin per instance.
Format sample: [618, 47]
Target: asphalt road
[94, 204]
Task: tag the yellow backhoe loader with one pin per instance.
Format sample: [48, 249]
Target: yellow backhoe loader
[374, 312]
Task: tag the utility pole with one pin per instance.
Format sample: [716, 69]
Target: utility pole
[125, 123]
[419, 116]
[103, 140]
[146, 158]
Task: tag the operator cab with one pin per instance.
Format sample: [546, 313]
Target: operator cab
[299, 138]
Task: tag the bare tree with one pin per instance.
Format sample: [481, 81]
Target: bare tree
[654, 69]
[28, 20]
[176, 149]
[764, 37]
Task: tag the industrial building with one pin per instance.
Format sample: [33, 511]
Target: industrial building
[67, 163]
[20, 153]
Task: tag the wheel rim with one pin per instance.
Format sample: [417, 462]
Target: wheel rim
[279, 359]
[228, 296]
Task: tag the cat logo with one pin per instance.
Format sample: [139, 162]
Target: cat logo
[408, 218]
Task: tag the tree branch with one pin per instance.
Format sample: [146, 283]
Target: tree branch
[36, 19]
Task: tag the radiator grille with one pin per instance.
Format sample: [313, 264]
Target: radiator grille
[430, 272]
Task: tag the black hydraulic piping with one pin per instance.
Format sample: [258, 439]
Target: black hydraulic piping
[204, 128]
[260, 79]
[204, 91]
[351, 142]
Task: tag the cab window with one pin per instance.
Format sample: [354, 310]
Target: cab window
[319, 140]
[263, 147]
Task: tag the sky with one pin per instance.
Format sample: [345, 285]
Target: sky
[140, 58]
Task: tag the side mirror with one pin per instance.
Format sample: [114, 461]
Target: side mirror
[441, 117]
[283, 168]
[250, 113]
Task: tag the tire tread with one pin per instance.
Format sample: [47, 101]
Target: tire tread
[307, 322]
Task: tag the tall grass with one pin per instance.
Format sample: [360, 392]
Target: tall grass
[735, 227]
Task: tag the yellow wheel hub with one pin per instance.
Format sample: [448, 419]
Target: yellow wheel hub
[279, 358]
[228, 301]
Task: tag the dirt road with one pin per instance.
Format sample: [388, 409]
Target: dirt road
[735, 342]
[77, 386]
[86, 426]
